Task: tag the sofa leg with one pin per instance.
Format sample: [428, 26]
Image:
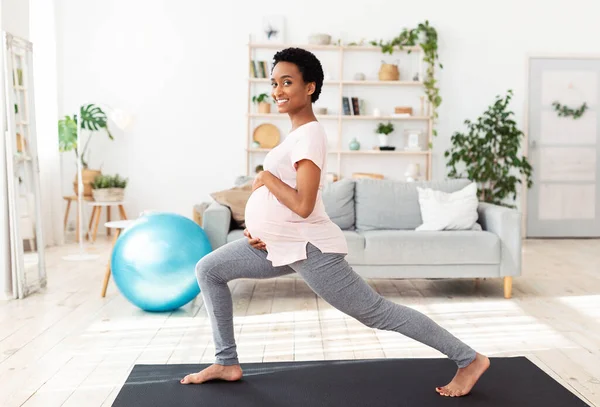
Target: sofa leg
[507, 287]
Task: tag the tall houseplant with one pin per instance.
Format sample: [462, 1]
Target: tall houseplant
[489, 152]
[92, 119]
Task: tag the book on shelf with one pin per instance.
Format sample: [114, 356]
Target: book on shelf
[352, 106]
[259, 69]
[355, 106]
[346, 106]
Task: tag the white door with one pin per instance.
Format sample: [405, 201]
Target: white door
[565, 196]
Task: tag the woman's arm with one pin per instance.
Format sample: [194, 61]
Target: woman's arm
[300, 200]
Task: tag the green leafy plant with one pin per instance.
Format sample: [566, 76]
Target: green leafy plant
[263, 97]
[564, 111]
[489, 151]
[109, 181]
[93, 119]
[425, 36]
[383, 128]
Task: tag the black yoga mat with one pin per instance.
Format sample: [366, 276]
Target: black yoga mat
[513, 381]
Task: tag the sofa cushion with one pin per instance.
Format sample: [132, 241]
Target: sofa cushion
[338, 198]
[235, 234]
[407, 247]
[448, 211]
[389, 204]
[235, 199]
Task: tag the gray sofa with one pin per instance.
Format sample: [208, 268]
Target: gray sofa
[379, 218]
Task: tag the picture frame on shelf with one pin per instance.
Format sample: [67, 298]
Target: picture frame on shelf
[273, 29]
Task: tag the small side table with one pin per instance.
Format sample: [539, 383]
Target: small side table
[118, 225]
[97, 211]
[69, 199]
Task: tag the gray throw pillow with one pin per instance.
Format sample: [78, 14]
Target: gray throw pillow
[338, 198]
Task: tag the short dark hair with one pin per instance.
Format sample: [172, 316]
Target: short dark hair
[308, 65]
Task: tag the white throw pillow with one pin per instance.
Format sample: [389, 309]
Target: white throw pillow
[448, 211]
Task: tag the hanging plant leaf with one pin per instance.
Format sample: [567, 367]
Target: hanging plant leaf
[564, 111]
[93, 118]
[426, 37]
[67, 134]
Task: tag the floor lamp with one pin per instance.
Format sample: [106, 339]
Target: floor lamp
[122, 120]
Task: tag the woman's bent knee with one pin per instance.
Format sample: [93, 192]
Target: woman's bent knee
[204, 269]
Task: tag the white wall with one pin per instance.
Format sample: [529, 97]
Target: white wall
[14, 18]
[181, 69]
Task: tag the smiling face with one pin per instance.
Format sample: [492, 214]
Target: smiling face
[288, 88]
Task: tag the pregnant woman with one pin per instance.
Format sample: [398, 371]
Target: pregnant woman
[288, 231]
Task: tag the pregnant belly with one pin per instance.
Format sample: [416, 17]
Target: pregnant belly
[265, 216]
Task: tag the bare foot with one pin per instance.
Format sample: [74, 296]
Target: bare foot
[229, 373]
[465, 378]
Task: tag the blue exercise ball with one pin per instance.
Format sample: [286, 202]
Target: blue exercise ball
[153, 261]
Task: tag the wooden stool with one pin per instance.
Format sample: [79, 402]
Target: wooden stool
[118, 226]
[69, 199]
[97, 211]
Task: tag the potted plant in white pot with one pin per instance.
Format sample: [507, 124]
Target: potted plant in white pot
[383, 130]
[109, 188]
[263, 101]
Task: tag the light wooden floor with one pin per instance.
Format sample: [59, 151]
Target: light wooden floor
[68, 346]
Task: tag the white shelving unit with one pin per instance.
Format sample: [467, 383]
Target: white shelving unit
[339, 151]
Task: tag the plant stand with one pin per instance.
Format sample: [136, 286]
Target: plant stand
[70, 199]
[96, 214]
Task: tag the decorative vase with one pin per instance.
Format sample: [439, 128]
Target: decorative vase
[383, 140]
[413, 172]
[354, 144]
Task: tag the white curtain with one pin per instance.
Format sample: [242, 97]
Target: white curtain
[43, 36]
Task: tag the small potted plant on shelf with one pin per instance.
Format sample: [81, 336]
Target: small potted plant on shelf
[109, 188]
[264, 102]
[383, 130]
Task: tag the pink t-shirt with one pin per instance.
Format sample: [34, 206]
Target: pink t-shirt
[284, 232]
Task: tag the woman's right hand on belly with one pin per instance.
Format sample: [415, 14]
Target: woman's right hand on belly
[256, 243]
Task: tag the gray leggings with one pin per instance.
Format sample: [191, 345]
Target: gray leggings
[331, 278]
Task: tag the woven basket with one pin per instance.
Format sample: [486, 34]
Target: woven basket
[389, 72]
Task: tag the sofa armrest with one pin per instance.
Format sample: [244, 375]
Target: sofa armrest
[216, 222]
[506, 223]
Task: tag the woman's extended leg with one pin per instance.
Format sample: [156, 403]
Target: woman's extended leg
[332, 278]
[234, 260]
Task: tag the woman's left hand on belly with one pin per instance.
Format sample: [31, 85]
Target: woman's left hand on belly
[257, 182]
